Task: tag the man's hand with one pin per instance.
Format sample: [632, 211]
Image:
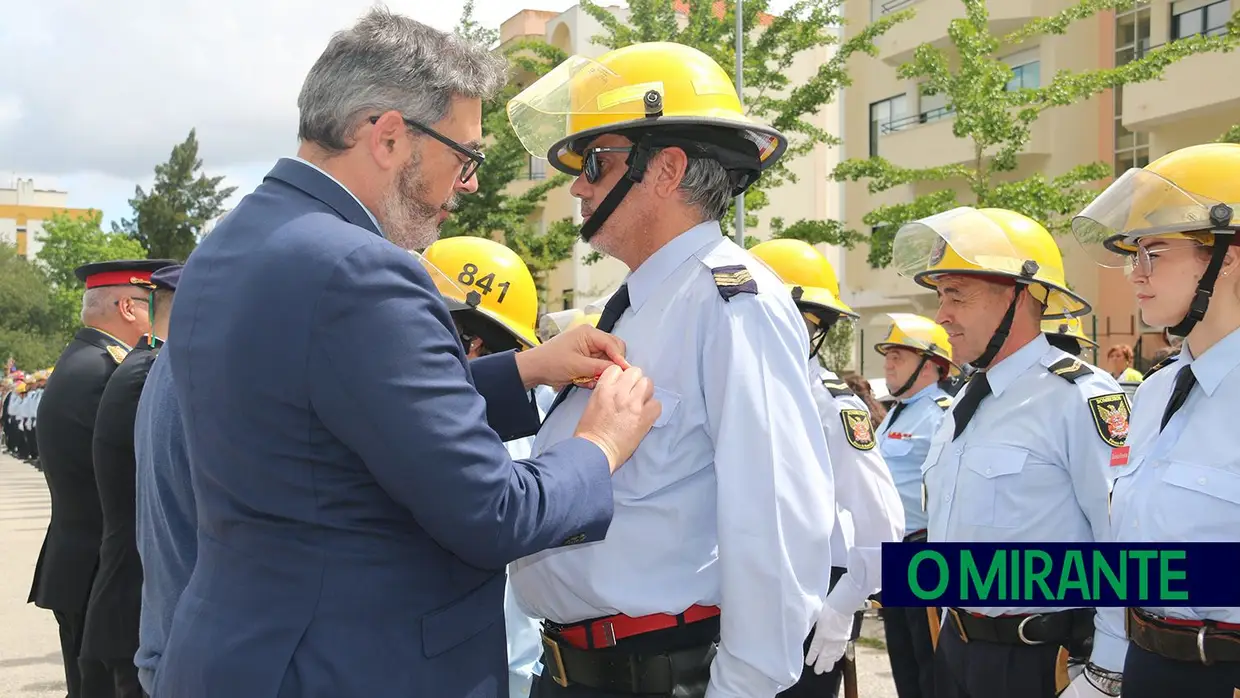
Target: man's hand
[579, 355]
[619, 414]
[831, 635]
[1092, 682]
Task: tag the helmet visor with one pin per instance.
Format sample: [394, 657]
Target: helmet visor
[454, 296]
[920, 247]
[543, 114]
[552, 324]
[1138, 204]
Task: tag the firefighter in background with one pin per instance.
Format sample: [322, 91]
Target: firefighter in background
[494, 304]
[917, 360]
[1172, 226]
[1024, 456]
[1066, 334]
[867, 504]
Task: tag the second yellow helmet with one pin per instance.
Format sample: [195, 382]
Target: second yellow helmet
[488, 278]
[807, 273]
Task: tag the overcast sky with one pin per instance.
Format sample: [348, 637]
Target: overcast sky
[94, 93]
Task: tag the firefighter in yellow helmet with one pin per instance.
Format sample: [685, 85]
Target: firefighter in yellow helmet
[865, 493]
[917, 361]
[1173, 226]
[1066, 334]
[1021, 457]
[710, 514]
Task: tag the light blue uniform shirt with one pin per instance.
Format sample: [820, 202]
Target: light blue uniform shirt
[904, 446]
[867, 505]
[1182, 484]
[729, 499]
[1031, 466]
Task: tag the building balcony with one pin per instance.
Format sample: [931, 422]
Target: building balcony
[926, 140]
[929, 26]
[1190, 88]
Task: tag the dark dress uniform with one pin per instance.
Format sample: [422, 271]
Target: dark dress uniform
[66, 567]
[111, 634]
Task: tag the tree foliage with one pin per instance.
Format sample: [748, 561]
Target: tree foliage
[495, 210]
[30, 329]
[998, 121]
[168, 220]
[70, 242]
[837, 351]
[770, 96]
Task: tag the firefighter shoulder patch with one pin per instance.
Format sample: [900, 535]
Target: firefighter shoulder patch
[857, 429]
[837, 388]
[1070, 369]
[117, 353]
[733, 280]
[1110, 413]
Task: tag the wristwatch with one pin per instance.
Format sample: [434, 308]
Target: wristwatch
[1108, 682]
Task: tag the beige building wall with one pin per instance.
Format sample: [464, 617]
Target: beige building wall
[1191, 105]
[575, 283]
[23, 210]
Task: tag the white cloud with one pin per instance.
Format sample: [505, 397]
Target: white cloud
[96, 93]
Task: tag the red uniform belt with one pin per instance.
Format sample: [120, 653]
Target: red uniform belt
[605, 632]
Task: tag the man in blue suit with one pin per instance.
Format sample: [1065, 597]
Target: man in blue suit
[352, 535]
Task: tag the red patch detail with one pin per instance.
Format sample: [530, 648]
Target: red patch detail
[1119, 456]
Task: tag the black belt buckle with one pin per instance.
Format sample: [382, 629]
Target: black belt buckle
[554, 661]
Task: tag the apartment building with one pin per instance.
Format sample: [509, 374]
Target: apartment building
[887, 116]
[23, 209]
[575, 283]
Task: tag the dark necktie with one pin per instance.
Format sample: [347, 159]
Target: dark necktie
[975, 391]
[616, 305]
[895, 413]
[1184, 382]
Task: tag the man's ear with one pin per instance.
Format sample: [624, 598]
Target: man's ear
[384, 139]
[667, 170]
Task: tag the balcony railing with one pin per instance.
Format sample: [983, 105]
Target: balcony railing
[916, 119]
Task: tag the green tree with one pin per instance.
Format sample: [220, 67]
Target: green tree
[494, 210]
[30, 330]
[70, 242]
[836, 352]
[1232, 135]
[770, 97]
[998, 121]
[168, 220]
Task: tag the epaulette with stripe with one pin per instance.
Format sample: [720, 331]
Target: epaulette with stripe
[1168, 360]
[732, 280]
[1070, 369]
[837, 388]
[944, 401]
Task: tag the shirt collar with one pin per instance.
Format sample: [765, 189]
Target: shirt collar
[930, 391]
[326, 174]
[1002, 374]
[1216, 363]
[646, 278]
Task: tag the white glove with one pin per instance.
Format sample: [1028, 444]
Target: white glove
[1082, 688]
[831, 635]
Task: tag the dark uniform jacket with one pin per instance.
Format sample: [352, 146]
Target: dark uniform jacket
[66, 566]
[116, 596]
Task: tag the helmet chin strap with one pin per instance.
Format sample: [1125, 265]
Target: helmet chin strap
[908, 384]
[636, 163]
[1220, 217]
[999, 338]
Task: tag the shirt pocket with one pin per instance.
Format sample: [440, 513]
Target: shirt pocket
[896, 448]
[989, 493]
[669, 402]
[1202, 502]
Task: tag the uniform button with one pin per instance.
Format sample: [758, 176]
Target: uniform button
[947, 498]
[960, 451]
[987, 471]
[1134, 523]
[1201, 481]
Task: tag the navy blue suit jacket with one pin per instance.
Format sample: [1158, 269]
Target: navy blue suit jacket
[355, 510]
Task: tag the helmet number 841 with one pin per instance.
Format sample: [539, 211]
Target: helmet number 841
[469, 277]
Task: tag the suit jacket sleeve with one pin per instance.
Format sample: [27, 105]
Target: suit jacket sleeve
[411, 412]
[509, 410]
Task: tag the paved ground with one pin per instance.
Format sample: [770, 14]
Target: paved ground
[30, 652]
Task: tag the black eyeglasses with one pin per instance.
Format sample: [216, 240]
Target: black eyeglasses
[474, 158]
[592, 167]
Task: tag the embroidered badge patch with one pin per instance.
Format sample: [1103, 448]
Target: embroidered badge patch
[117, 353]
[1110, 413]
[733, 280]
[857, 429]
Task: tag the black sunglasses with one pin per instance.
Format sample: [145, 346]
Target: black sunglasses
[592, 166]
[475, 159]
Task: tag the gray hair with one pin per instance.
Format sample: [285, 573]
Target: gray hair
[707, 186]
[97, 303]
[390, 62]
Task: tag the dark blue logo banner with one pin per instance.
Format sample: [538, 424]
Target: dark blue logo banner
[1061, 574]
